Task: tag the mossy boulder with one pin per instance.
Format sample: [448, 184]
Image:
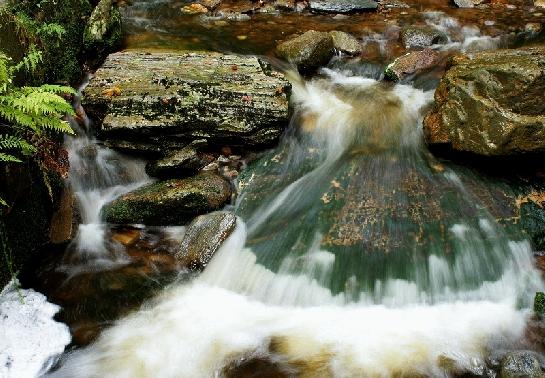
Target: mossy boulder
[204, 237]
[308, 51]
[165, 98]
[103, 32]
[172, 202]
[491, 103]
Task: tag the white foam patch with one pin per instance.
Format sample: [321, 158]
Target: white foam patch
[197, 330]
[29, 337]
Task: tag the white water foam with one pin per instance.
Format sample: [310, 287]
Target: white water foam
[29, 337]
[196, 330]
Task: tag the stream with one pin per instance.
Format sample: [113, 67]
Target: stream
[357, 253]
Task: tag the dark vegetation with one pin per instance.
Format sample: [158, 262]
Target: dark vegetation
[41, 55]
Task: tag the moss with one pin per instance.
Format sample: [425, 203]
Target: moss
[539, 304]
[532, 220]
[62, 58]
[103, 33]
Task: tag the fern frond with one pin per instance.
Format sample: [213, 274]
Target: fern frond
[29, 62]
[58, 89]
[12, 142]
[51, 30]
[8, 158]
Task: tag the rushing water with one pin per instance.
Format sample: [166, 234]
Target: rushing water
[362, 258]
[97, 176]
[356, 253]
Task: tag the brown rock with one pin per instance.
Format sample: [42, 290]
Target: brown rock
[491, 103]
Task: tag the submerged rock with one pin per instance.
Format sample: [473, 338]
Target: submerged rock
[342, 6]
[167, 97]
[519, 365]
[308, 51]
[103, 30]
[344, 42]
[490, 103]
[172, 202]
[411, 63]
[204, 237]
[422, 36]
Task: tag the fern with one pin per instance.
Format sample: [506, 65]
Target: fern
[29, 110]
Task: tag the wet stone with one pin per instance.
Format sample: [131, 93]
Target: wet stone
[225, 99]
[411, 63]
[308, 51]
[173, 202]
[345, 43]
[490, 103]
[520, 365]
[204, 237]
[342, 6]
[467, 3]
[414, 37]
[179, 163]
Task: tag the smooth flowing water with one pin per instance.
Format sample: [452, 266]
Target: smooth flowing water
[355, 254]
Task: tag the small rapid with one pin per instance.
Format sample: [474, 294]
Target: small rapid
[97, 176]
[356, 254]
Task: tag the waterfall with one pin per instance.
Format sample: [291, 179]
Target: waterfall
[356, 254]
[97, 176]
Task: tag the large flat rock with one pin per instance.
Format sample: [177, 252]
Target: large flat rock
[226, 99]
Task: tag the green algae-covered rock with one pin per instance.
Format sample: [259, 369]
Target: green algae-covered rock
[103, 30]
[308, 51]
[491, 103]
[172, 202]
[204, 237]
[162, 98]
